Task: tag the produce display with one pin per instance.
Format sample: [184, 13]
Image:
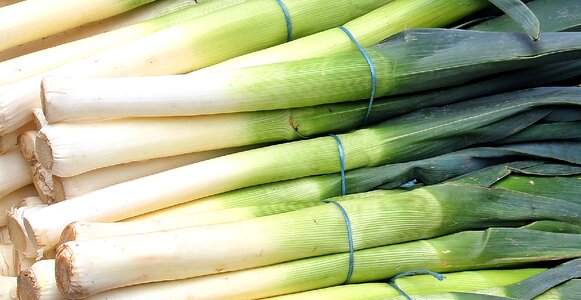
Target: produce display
[290, 149]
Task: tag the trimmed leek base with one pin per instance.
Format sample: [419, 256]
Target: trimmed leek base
[137, 15]
[82, 231]
[493, 248]
[47, 18]
[14, 172]
[418, 285]
[18, 234]
[13, 199]
[27, 145]
[38, 282]
[7, 267]
[21, 262]
[10, 140]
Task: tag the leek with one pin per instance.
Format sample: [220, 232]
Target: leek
[377, 218]
[68, 187]
[471, 250]
[134, 16]
[429, 132]
[38, 282]
[82, 231]
[46, 18]
[436, 57]
[45, 60]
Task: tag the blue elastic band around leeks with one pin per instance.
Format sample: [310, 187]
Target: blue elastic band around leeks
[289, 25]
[371, 69]
[391, 281]
[342, 163]
[350, 236]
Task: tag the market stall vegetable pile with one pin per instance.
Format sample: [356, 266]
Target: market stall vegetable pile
[290, 149]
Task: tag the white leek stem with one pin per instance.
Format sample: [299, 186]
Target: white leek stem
[9, 140]
[14, 172]
[82, 231]
[13, 200]
[50, 17]
[137, 15]
[69, 149]
[38, 118]
[26, 145]
[4, 235]
[38, 282]
[30, 202]
[68, 187]
[18, 233]
[7, 267]
[7, 287]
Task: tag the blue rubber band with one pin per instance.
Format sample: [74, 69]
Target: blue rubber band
[350, 236]
[391, 281]
[371, 68]
[409, 184]
[342, 163]
[289, 25]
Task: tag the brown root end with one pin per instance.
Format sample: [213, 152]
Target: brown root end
[65, 275]
[68, 234]
[44, 151]
[28, 287]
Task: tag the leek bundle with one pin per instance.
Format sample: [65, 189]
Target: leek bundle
[191, 45]
[436, 57]
[377, 218]
[368, 30]
[46, 18]
[81, 147]
[559, 15]
[429, 171]
[470, 250]
[429, 132]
